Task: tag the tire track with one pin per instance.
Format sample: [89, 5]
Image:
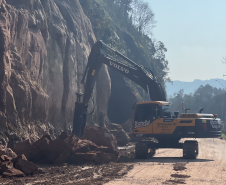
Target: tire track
[209, 168]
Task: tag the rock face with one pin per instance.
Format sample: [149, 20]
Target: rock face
[44, 48]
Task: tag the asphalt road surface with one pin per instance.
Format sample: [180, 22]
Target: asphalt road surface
[168, 167]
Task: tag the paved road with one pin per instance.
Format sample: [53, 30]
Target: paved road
[167, 167]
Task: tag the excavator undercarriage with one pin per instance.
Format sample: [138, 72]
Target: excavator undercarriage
[146, 148]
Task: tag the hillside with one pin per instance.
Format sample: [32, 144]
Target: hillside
[111, 21]
[190, 87]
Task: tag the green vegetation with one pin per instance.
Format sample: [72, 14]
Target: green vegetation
[126, 26]
[211, 99]
[223, 136]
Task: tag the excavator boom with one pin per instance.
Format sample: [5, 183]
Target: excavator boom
[129, 69]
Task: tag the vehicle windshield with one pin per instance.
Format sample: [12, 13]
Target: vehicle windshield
[166, 111]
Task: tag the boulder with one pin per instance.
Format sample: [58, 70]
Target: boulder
[5, 163]
[19, 156]
[22, 164]
[38, 149]
[4, 166]
[101, 136]
[23, 147]
[63, 135]
[84, 146]
[63, 156]
[127, 126]
[12, 172]
[59, 149]
[55, 148]
[71, 141]
[10, 153]
[77, 159]
[120, 135]
[90, 156]
[103, 149]
[87, 156]
[103, 158]
[2, 152]
[4, 158]
[81, 158]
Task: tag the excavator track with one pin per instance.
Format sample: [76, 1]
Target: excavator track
[143, 150]
[190, 149]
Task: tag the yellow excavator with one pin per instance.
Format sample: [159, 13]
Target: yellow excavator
[154, 126]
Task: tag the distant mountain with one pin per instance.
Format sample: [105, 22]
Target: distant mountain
[190, 87]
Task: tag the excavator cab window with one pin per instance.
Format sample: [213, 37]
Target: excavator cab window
[156, 111]
[147, 112]
[166, 111]
[142, 113]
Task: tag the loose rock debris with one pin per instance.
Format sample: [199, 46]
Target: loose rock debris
[16, 167]
[72, 174]
[97, 146]
[121, 136]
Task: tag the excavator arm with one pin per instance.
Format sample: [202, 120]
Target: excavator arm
[137, 73]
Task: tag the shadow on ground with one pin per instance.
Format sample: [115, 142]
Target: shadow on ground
[162, 160]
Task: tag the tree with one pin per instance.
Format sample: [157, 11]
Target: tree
[211, 99]
[159, 60]
[125, 6]
[142, 16]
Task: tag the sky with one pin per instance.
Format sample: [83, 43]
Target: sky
[194, 33]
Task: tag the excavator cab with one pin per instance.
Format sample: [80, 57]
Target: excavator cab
[147, 112]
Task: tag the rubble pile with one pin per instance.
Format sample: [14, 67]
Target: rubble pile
[121, 136]
[127, 126]
[12, 165]
[97, 146]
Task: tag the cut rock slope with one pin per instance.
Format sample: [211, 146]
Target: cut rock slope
[44, 48]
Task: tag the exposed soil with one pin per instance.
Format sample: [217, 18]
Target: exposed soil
[79, 175]
[71, 174]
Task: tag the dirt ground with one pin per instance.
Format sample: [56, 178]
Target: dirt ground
[77, 174]
[168, 167]
[71, 174]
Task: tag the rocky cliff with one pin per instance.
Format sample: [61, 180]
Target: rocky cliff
[44, 46]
